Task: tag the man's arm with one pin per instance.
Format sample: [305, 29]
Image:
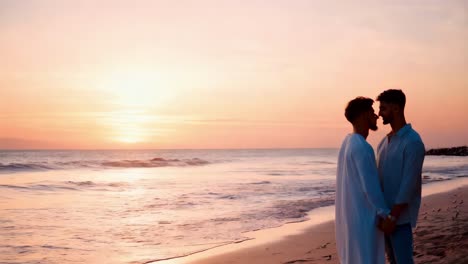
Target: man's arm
[397, 209]
[411, 179]
[368, 176]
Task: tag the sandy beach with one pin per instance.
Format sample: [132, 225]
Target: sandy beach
[440, 237]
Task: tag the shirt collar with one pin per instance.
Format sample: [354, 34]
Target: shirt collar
[403, 130]
[400, 132]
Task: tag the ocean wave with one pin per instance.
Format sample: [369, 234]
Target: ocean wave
[286, 172]
[67, 186]
[285, 210]
[261, 182]
[229, 197]
[455, 170]
[24, 166]
[37, 187]
[323, 162]
[300, 208]
[151, 163]
[156, 162]
[81, 183]
[8, 186]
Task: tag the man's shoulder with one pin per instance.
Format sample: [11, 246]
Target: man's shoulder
[358, 143]
[413, 143]
[413, 137]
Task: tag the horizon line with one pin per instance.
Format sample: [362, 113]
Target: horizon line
[89, 149]
[148, 149]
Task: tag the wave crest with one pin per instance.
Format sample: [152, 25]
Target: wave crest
[24, 166]
[155, 162]
[152, 163]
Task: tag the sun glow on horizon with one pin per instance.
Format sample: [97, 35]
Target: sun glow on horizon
[134, 94]
[130, 135]
[128, 127]
[136, 88]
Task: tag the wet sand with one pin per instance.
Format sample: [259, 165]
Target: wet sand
[440, 237]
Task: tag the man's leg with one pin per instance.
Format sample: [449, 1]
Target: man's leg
[389, 250]
[399, 245]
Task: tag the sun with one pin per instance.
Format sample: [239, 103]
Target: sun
[129, 126]
[130, 134]
[133, 95]
[136, 89]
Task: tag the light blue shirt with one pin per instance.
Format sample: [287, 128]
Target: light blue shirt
[400, 162]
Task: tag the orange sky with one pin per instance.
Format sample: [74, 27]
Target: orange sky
[225, 74]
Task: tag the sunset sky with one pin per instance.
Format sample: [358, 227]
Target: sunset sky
[225, 74]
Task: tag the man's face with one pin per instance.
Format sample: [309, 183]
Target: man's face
[373, 120]
[386, 111]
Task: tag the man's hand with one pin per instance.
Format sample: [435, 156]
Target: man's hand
[387, 225]
[397, 209]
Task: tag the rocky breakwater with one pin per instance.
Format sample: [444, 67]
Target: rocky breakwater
[455, 151]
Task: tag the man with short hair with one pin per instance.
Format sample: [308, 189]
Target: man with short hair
[400, 157]
[359, 201]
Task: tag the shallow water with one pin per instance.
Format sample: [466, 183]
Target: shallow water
[139, 206]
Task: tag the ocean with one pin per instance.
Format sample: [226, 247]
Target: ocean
[137, 206]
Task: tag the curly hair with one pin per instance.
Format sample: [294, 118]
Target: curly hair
[357, 106]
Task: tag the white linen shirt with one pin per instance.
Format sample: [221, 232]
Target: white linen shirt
[358, 204]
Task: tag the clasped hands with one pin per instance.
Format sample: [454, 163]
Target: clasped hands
[386, 225]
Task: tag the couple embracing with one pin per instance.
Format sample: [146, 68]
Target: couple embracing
[377, 200]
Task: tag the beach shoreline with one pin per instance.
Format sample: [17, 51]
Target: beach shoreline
[440, 236]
